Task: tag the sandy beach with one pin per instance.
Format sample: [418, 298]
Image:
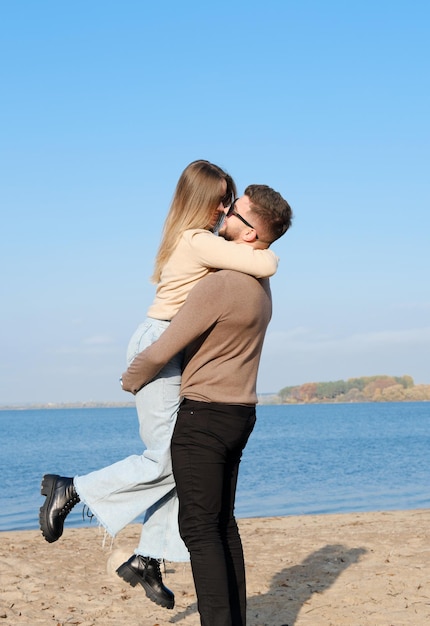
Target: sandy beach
[359, 569]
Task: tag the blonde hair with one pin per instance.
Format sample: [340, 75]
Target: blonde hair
[197, 196]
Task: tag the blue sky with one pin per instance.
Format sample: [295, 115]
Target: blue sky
[104, 104]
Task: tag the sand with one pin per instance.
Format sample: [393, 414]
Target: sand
[360, 569]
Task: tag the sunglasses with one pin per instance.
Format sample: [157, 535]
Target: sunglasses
[227, 199]
[231, 211]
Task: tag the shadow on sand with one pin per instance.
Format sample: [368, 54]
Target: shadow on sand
[294, 586]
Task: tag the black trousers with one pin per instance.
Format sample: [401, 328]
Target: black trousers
[207, 446]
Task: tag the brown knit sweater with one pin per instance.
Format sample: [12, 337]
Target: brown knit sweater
[222, 325]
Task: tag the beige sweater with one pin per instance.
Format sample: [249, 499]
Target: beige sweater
[222, 324]
[197, 253]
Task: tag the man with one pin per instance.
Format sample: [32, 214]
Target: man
[144, 484]
[222, 327]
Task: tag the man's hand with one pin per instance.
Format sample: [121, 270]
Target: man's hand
[129, 384]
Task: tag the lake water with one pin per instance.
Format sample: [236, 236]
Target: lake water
[299, 460]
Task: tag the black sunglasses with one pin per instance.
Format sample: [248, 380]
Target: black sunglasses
[227, 199]
[231, 211]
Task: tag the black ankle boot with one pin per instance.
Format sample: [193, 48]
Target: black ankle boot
[146, 572]
[61, 497]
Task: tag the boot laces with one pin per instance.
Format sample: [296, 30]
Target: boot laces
[68, 506]
[157, 571]
[155, 563]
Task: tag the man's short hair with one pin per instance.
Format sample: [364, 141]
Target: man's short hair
[273, 211]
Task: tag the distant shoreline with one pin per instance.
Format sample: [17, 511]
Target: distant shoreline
[263, 400]
[66, 405]
[365, 389]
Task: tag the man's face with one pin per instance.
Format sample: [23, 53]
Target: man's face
[233, 226]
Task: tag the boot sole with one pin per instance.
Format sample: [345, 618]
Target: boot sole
[127, 573]
[47, 489]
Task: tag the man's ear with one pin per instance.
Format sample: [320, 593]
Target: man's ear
[249, 236]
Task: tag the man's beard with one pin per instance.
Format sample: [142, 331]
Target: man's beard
[226, 235]
[222, 232]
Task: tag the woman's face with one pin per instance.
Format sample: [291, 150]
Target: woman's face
[220, 208]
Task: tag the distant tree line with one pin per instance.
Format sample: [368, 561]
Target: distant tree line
[364, 389]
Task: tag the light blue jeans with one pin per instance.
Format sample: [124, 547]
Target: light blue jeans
[119, 493]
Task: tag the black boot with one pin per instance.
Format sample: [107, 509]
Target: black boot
[61, 497]
[146, 572]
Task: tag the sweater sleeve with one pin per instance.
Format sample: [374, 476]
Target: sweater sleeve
[191, 321]
[215, 252]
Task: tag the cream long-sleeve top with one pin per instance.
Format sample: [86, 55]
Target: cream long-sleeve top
[197, 253]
